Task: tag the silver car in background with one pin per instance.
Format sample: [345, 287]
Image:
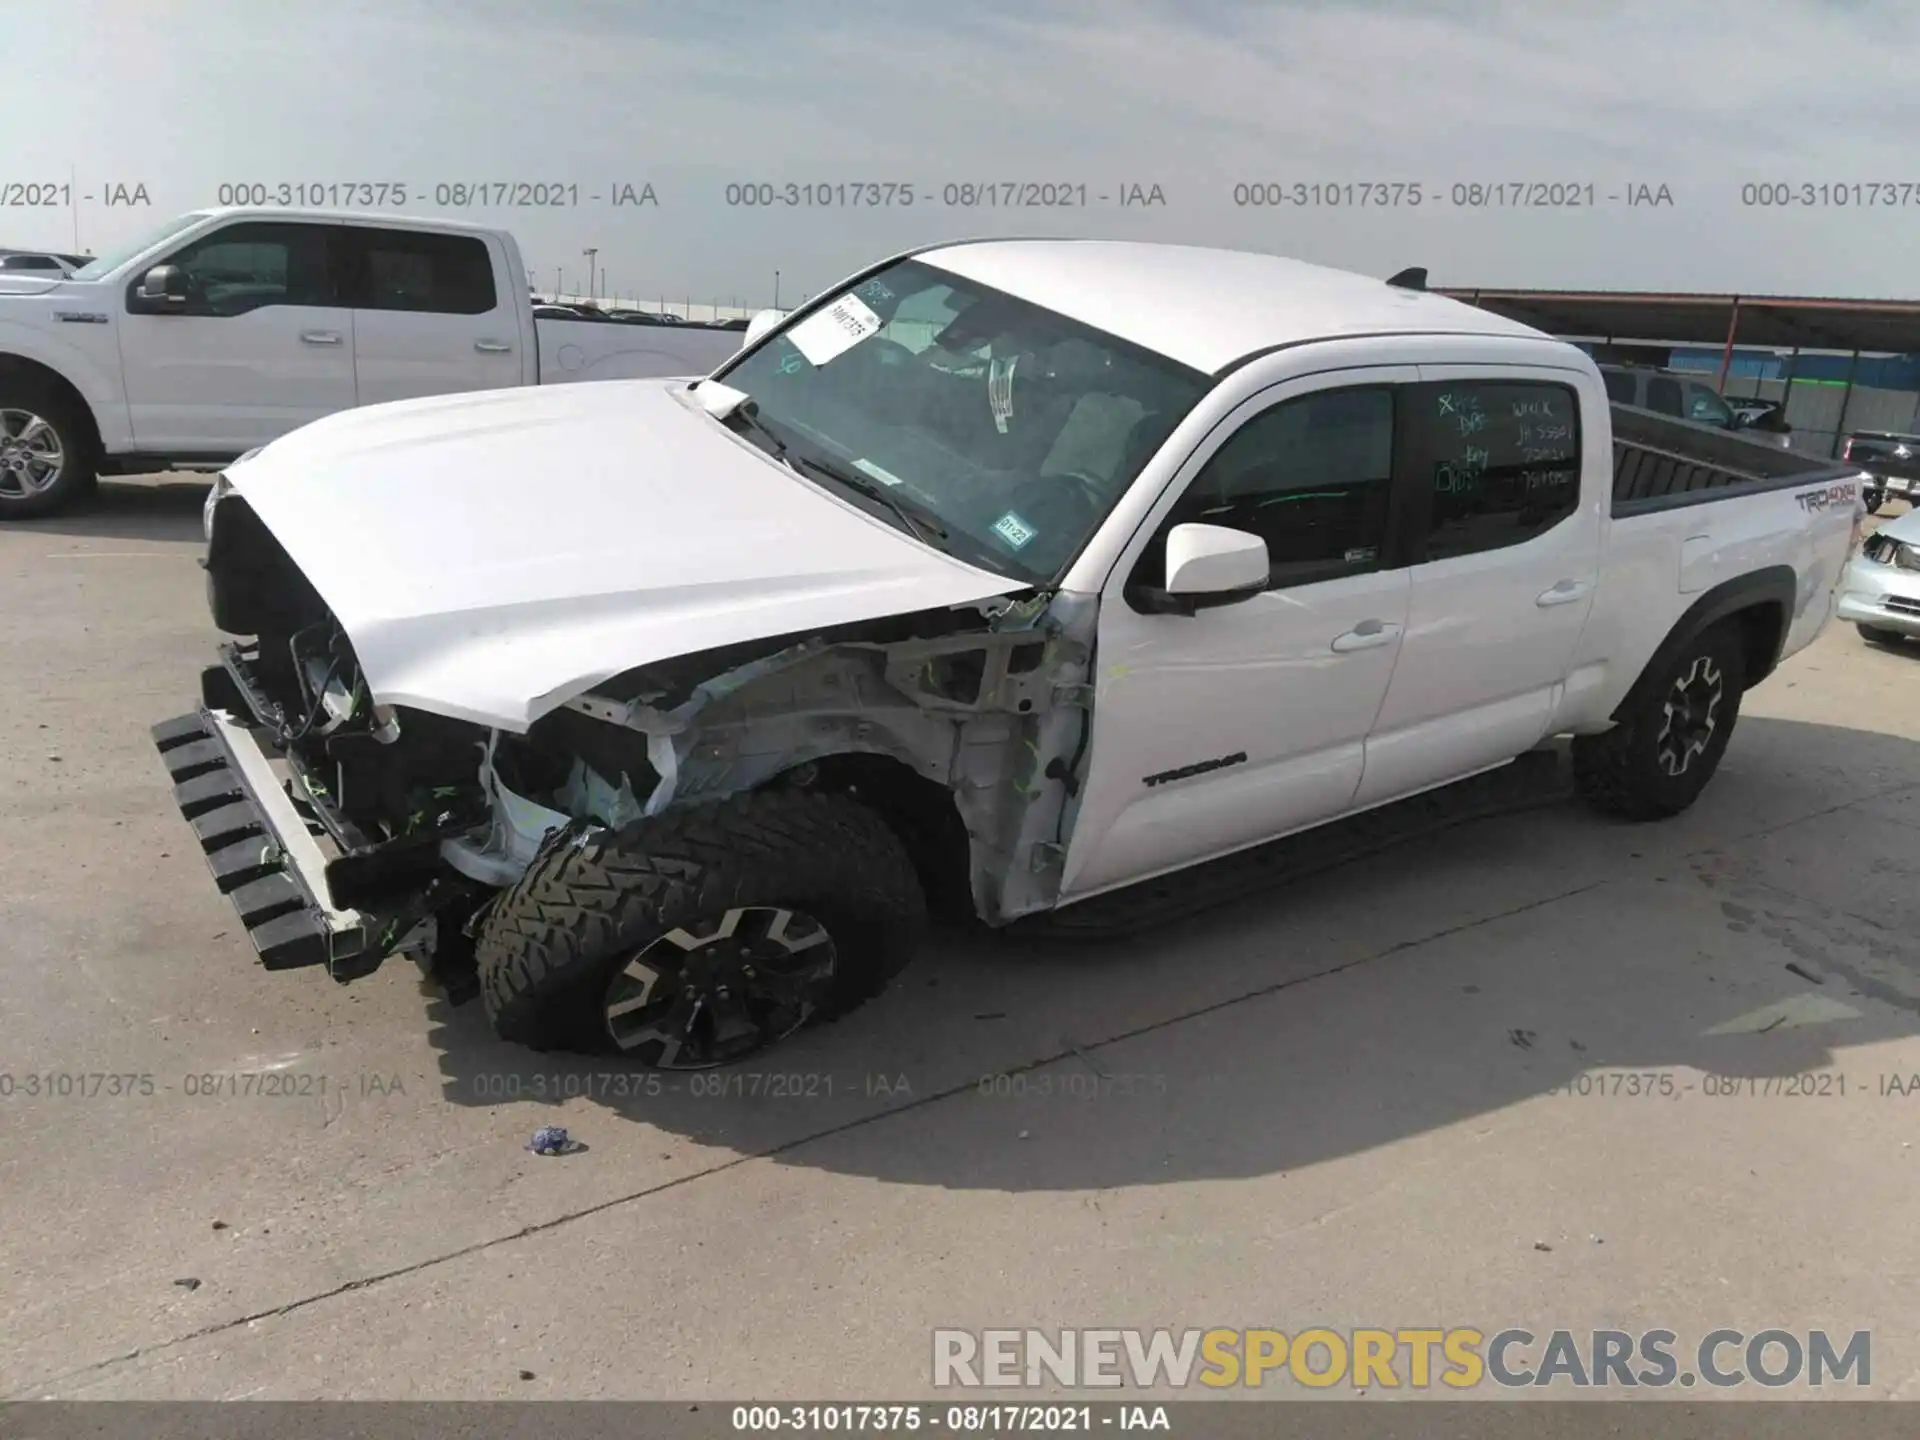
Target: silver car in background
[1880, 591]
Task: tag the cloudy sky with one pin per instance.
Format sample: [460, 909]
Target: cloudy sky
[1197, 97]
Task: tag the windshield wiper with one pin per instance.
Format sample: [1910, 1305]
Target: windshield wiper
[749, 415]
[920, 529]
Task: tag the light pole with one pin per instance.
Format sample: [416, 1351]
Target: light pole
[590, 252]
[776, 289]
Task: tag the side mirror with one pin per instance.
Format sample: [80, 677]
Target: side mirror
[759, 325]
[1206, 566]
[164, 287]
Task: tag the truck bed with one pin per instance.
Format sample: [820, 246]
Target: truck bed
[1663, 463]
[627, 350]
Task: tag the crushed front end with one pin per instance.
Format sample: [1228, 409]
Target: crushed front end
[320, 813]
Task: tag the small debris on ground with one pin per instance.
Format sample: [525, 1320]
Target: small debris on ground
[219, 1224]
[1805, 975]
[526, 1374]
[189, 1283]
[551, 1140]
[992, 1015]
[1522, 1038]
[1542, 1245]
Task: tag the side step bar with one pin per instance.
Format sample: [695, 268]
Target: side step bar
[257, 844]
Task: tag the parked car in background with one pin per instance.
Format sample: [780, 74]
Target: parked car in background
[1880, 592]
[222, 330]
[1687, 397]
[1891, 459]
[32, 262]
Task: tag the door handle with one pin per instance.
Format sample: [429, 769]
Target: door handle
[1563, 593]
[320, 337]
[1365, 636]
[491, 347]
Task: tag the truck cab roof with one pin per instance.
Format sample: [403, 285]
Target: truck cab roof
[346, 217]
[1209, 308]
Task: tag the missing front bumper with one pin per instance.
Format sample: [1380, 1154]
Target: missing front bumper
[260, 847]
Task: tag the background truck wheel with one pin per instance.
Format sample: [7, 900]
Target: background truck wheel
[46, 451]
[1874, 635]
[1655, 762]
[702, 936]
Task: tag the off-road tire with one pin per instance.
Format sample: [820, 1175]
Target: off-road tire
[1621, 773]
[79, 475]
[591, 900]
[1874, 635]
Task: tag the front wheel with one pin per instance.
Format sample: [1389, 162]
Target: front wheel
[1670, 736]
[703, 936]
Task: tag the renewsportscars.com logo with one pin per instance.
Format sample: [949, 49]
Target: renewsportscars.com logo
[1458, 1358]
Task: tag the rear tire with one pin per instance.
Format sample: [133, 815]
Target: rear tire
[702, 936]
[1671, 734]
[46, 451]
[1874, 635]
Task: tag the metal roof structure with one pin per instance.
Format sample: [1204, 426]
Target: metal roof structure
[1782, 322]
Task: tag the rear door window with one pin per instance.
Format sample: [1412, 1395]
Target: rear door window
[1500, 463]
[424, 271]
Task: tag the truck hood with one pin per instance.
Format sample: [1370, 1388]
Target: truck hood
[493, 555]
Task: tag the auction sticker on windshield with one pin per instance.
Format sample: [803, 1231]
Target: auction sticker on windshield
[834, 330]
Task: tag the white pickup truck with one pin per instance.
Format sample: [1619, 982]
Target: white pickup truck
[225, 329]
[1008, 574]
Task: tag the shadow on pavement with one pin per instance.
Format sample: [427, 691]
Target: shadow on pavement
[153, 508]
[1435, 982]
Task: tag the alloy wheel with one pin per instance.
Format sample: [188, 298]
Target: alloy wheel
[709, 994]
[1691, 711]
[32, 458]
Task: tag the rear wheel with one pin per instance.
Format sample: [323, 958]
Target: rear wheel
[46, 458]
[703, 936]
[1874, 635]
[1669, 739]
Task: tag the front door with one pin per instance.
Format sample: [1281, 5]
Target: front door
[431, 316]
[261, 346]
[1227, 727]
[1507, 554]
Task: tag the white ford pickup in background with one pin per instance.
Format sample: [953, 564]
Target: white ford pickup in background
[1012, 574]
[225, 329]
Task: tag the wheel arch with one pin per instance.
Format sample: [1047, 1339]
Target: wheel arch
[16, 367]
[924, 813]
[1759, 604]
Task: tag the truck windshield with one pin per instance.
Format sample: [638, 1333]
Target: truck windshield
[115, 258]
[1011, 428]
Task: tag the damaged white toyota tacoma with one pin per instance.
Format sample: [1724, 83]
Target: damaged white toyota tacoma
[1006, 575]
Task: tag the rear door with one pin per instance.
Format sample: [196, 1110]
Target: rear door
[431, 316]
[1505, 559]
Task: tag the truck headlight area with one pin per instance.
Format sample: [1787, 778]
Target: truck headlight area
[221, 485]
